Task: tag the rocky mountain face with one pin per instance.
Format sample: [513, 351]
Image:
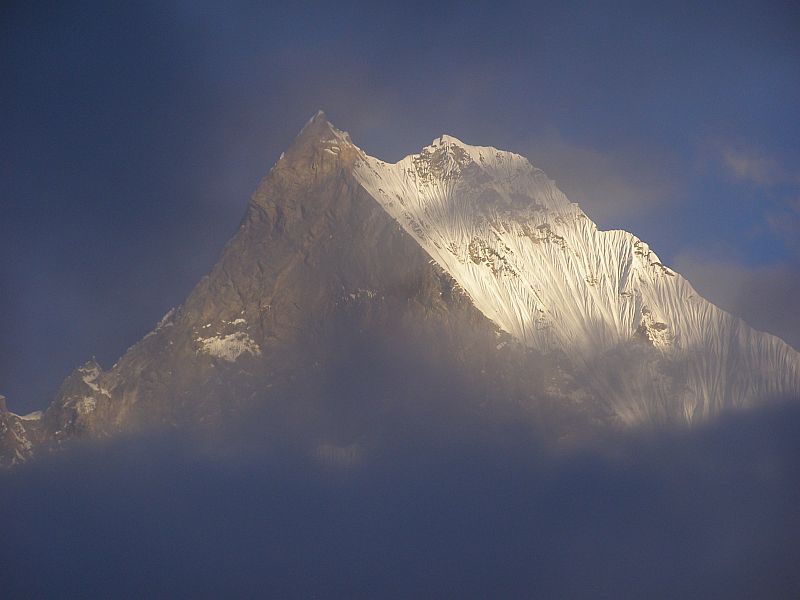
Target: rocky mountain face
[17, 435]
[459, 285]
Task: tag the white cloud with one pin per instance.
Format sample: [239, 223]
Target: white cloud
[751, 166]
[744, 162]
[612, 187]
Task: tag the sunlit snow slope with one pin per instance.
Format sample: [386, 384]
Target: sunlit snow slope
[538, 267]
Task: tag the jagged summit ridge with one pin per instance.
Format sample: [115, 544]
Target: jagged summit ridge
[486, 216]
[536, 265]
[319, 127]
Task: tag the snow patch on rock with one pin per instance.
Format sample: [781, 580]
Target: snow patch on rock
[32, 416]
[85, 405]
[229, 347]
[90, 374]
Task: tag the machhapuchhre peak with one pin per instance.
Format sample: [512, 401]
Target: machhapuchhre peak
[459, 280]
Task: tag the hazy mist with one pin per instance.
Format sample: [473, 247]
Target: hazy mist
[711, 514]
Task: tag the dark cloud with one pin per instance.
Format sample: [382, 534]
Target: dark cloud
[709, 513]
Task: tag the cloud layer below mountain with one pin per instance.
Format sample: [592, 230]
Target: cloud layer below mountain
[711, 513]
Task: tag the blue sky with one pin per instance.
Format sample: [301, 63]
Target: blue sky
[132, 137]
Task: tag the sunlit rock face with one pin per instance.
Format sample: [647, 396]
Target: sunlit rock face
[457, 288]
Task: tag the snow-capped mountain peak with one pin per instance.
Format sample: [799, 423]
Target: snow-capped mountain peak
[540, 269]
[465, 280]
